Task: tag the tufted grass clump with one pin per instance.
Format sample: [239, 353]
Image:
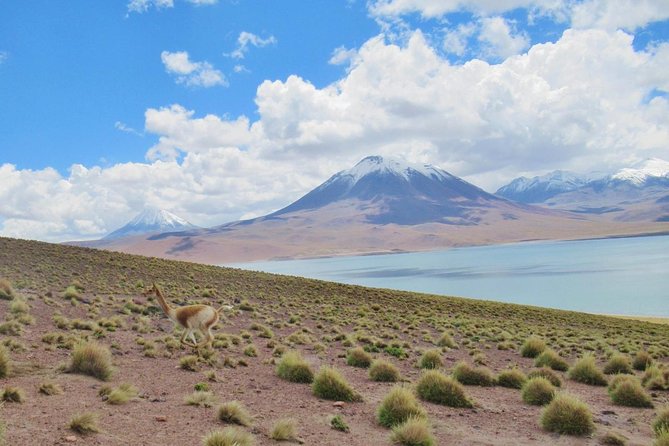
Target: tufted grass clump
[618, 363]
[284, 429]
[474, 376]
[532, 347]
[292, 367]
[626, 390]
[201, 398]
[92, 359]
[383, 371]
[435, 387]
[547, 373]
[337, 423]
[234, 412]
[329, 384]
[550, 358]
[189, 362]
[538, 391]
[358, 357]
[662, 439]
[661, 422]
[431, 359]
[122, 394]
[415, 431]
[84, 423]
[585, 371]
[613, 439]
[446, 340]
[6, 290]
[50, 388]
[230, 436]
[642, 359]
[5, 362]
[398, 406]
[655, 378]
[568, 415]
[12, 394]
[511, 378]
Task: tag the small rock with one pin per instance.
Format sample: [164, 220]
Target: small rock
[608, 412]
[70, 438]
[162, 418]
[338, 404]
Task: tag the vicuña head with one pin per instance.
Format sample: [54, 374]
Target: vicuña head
[192, 318]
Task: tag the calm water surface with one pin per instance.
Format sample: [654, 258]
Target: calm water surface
[614, 276]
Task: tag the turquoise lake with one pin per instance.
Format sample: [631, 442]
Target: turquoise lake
[612, 276]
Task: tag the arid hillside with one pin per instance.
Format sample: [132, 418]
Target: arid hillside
[86, 359]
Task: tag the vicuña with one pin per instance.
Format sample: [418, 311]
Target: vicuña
[192, 318]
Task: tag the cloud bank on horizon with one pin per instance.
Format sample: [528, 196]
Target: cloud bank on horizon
[487, 90]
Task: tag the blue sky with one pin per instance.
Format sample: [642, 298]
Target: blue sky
[226, 109]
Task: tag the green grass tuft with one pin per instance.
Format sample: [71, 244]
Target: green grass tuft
[435, 387]
[84, 423]
[661, 422]
[122, 394]
[431, 359]
[92, 359]
[532, 347]
[585, 371]
[292, 367]
[618, 363]
[234, 412]
[415, 431]
[474, 376]
[284, 429]
[547, 373]
[329, 384]
[538, 391]
[383, 371]
[613, 439]
[511, 378]
[5, 362]
[358, 357]
[201, 399]
[398, 406]
[567, 415]
[337, 423]
[642, 359]
[446, 341]
[230, 436]
[550, 358]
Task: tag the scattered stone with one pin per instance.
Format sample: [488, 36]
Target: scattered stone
[162, 418]
[338, 404]
[608, 412]
[71, 439]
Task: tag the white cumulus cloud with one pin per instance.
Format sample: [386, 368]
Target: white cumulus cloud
[192, 74]
[499, 40]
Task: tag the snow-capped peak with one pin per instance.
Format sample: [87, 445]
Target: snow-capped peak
[152, 220]
[158, 217]
[652, 167]
[385, 165]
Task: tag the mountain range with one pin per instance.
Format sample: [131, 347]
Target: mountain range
[637, 193]
[385, 205]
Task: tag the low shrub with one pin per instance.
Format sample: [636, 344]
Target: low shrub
[358, 357]
[618, 363]
[538, 391]
[329, 384]
[233, 412]
[435, 387]
[532, 347]
[585, 371]
[567, 415]
[398, 406]
[431, 359]
[415, 431]
[337, 423]
[511, 378]
[475, 376]
[383, 371]
[92, 359]
[293, 368]
[551, 359]
[230, 436]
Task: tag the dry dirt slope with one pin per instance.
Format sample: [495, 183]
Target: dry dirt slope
[322, 320]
